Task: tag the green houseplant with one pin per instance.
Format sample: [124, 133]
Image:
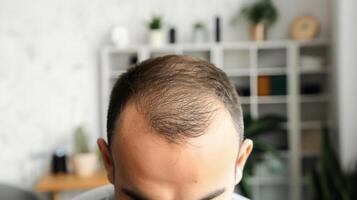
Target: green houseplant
[155, 22]
[260, 14]
[328, 179]
[156, 33]
[84, 161]
[254, 128]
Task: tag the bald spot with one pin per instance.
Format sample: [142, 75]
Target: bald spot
[144, 159]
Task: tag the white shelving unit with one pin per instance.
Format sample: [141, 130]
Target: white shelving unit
[302, 95]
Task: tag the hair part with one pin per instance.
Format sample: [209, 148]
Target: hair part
[178, 95]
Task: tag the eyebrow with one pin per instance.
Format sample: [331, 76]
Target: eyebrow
[137, 196]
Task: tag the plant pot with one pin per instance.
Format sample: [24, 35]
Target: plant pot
[120, 36]
[85, 164]
[257, 32]
[199, 35]
[157, 38]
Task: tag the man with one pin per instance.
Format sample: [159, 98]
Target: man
[175, 132]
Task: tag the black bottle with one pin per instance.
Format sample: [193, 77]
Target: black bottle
[172, 35]
[217, 29]
[59, 162]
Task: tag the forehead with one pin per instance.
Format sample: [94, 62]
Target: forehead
[143, 156]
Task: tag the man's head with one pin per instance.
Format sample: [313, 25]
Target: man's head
[175, 131]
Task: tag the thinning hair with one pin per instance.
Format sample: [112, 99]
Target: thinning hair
[178, 96]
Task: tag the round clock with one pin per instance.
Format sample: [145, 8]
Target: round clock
[304, 28]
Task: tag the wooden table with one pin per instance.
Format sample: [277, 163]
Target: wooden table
[55, 184]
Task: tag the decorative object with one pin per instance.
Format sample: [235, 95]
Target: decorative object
[172, 35]
[311, 88]
[254, 129]
[310, 141]
[261, 15]
[272, 85]
[217, 29]
[278, 85]
[59, 162]
[133, 60]
[199, 34]
[310, 63]
[327, 178]
[257, 32]
[264, 85]
[156, 34]
[120, 36]
[84, 161]
[304, 28]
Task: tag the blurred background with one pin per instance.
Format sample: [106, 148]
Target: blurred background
[292, 62]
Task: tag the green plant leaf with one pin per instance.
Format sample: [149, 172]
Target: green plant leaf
[329, 180]
[261, 11]
[262, 147]
[155, 23]
[81, 140]
[244, 185]
[265, 124]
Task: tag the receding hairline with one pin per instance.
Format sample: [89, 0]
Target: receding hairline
[134, 102]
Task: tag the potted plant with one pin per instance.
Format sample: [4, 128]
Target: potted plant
[84, 161]
[260, 15]
[156, 33]
[254, 129]
[200, 34]
[327, 178]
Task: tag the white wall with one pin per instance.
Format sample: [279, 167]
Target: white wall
[49, 65]
[346, 76]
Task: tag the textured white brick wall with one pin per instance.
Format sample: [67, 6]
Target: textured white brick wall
[49, 65]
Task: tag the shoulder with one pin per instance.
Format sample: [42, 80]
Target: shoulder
[101, 193]
[238, 197]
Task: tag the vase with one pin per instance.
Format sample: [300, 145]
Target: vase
[85, 164]
[120, 36]
[199, 35]
[156, 38]
[257, 32]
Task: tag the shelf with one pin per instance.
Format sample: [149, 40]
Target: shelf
[244, 100]
[269, 180]
[114, 49]
[272, 71]
[276, 44]
[238, 72]
[311, 125]
[306, 125]
[246, 63]
[164, 49]
[270, 44]
[323, 70]
[314, 98]
[306, 154]
[161, 53]
[116, 73]
[312, 43]
[272, 99]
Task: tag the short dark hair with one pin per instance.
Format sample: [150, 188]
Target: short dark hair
[177, 94]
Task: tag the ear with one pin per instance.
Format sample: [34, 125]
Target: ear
[245, 149]
[107, 158]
